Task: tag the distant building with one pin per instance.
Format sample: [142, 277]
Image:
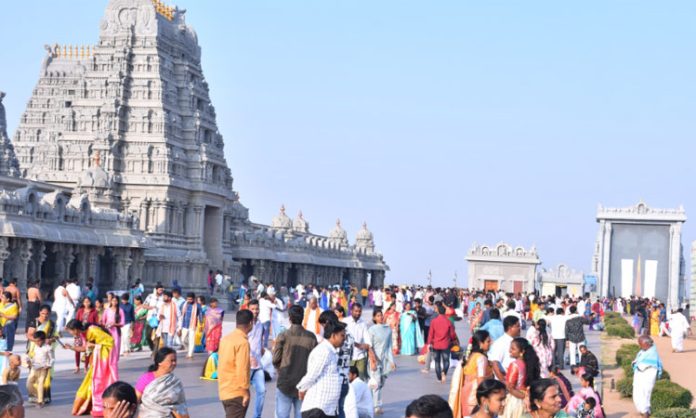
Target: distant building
[502, 268]
[638, 252]
[561, 282]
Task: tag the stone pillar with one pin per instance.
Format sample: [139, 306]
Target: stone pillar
[606, 253]
[82, 264]
[39, 252]
[4, 254]
[93, 261]
[69, 259]
[196, 229]
[25, 248]
[123, 261]
[674, 266]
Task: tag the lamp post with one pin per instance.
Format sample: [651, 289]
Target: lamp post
[455, 279]
[430, 278]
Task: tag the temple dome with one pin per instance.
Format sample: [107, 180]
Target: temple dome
[300, 224]
[365, 239]
[282, 221]
[338, 235]
[95, 177]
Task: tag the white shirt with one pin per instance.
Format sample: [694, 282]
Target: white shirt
[155, 303]
[74, 292]
[266, 309]
[59, 301]
[218, 279]
[322, 382]
[500, 351]
[358, 330]
[512, 313]
[166, 322]
[363, 398]
[43, 357]
[557, 323]
[377, 298]
[678, 324]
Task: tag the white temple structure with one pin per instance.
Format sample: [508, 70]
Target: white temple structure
[122, 134]
[502, 267]
[638, 252]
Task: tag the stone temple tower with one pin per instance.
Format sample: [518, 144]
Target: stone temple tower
[136, 106]
[8, 160]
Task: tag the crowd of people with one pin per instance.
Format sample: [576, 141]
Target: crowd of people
[326, 358]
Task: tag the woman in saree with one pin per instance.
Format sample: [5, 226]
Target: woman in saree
[411, 335]
[161, 393]
[654, 321]
[213, 326]
[43, 323]
[200, 330]
[475, 317]
[391, 318]
[9, 314]
[524, 369]
[99, 307]
[383, 361]
[113, 319]
[87, 315]
[138, 337]
[103, 368]
[467, 378]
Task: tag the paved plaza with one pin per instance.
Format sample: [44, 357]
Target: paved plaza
[404, 385]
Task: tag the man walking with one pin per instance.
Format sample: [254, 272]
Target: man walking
[441, 337]
[647, 367]
[357, 328]
[191, 316]
[128, 319]
[168, 320]
[575, 333]
[74, 293]
[258, 381]
[234, 367]
[558, 333]
[290, 353]
[320, 388]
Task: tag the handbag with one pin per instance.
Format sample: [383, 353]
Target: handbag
[153, 322]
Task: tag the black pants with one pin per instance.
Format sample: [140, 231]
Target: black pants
[442, 362]
[345, 386]
[234, 408]
[559, 353]
[316, 413]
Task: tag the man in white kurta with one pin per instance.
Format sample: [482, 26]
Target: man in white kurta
[647, 367]
[678, 326]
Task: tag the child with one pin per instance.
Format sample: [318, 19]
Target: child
[587, 409]
[10, 375]
[40, 368]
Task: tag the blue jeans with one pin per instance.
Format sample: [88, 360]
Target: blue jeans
[9, 331]
[284, 403]
[344, 392]
[266, 331]
[258, 382]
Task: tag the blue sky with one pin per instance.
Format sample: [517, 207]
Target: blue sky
[440, 123]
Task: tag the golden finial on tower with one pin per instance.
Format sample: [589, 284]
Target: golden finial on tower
[65, 51]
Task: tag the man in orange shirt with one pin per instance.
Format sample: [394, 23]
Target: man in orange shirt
[234, 367]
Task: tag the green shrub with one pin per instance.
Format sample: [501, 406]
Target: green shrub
[625, 387]
[668, 394]
[675, 413]
[621, 331]
[611, 314]
[626, 354]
